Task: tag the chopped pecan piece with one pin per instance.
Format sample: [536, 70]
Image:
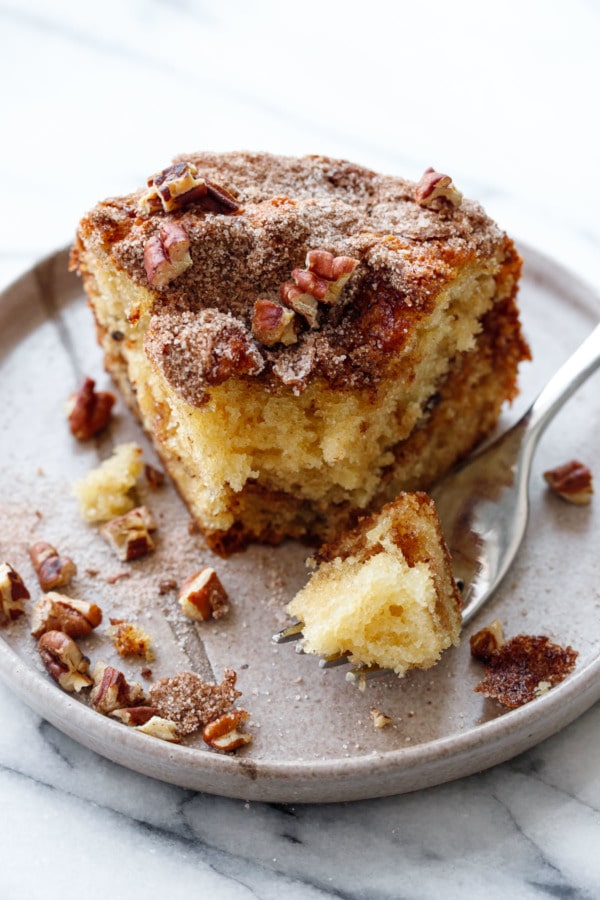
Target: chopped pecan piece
[166, 254]
[129, 535]
[179, 185]
[164, 729]
[202, 596]
[379, 719]
[223, 734]
[300, 302]
[12, 594]
[52, 569]
[322, 281]
[571, 481]
[89, 411]
[56, 612]
[134, 715]
[433, 186]
[486, 641]
[112, 690]
[273, 324]
[64, 661]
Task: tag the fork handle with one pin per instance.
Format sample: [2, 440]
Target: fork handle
[563, 384]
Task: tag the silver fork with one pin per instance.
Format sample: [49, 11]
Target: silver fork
[483, 504]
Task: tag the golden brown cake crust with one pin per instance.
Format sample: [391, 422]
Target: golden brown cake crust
[407, 253]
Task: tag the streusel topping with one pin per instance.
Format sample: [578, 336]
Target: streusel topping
[200, 333]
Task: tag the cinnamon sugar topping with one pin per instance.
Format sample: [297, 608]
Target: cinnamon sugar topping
[404, 254]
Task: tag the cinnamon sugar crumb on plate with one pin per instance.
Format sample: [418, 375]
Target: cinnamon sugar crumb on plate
[525, 667]
[191, 702]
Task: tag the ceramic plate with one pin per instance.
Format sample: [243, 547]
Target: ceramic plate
[313, 737]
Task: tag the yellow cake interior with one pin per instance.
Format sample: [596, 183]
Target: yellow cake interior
[385, 595]
[323, 447]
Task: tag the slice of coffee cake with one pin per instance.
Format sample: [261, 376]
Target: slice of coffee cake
[302, 338]
[384, 592]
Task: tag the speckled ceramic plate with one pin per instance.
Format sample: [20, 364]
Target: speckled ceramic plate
[313, 736]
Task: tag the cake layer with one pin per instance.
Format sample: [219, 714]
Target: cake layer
[392, 351]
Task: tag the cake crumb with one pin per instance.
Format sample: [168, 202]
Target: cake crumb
[379, 718]
[130, 640]
[106, 492]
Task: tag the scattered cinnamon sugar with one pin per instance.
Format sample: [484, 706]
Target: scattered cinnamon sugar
[525, 667]
[191, 702]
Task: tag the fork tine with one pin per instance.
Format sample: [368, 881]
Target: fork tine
[333, 659]
[291, 633]
[355, 676]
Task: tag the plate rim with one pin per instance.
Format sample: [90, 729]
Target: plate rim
[400, 769]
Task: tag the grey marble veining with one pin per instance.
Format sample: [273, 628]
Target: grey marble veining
[528, 828]
[96, 96]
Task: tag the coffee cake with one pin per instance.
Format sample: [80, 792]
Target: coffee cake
[302, 338]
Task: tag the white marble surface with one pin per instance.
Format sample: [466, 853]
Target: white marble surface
[96, 96]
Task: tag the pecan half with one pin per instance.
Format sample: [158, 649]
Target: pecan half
[56, 612]
[64, 661]
[433, 186]
[167, 254]
[223, 733]
[571, 481]
[52, 569]
[12, 594]
[88, 410]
